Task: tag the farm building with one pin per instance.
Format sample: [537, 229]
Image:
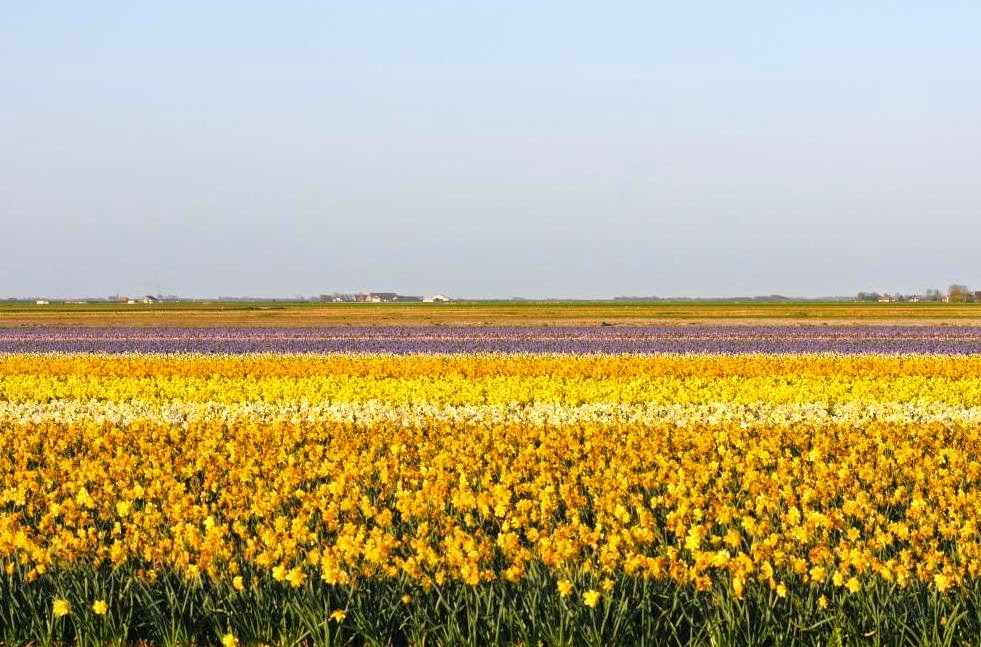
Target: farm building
[389, 297]
[379, 297]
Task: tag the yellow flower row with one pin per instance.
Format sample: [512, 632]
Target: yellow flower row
[381, 366]
[504, 389]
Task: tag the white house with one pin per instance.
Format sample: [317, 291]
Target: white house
[436, 298]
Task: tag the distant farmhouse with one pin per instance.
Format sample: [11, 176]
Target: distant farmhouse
[381, 297]
[393, 297]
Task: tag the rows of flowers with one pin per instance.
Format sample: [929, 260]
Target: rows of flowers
[467, 339]
[492, 498]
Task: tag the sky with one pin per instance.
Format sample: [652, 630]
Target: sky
[489, 149]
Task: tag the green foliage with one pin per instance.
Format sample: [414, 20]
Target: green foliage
[171, 610]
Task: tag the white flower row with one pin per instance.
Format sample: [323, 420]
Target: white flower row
[538, 414]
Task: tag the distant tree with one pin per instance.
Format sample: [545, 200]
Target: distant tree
[933, 295]
[957, 293]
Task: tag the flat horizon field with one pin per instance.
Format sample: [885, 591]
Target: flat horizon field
[477, 473]
[483, 313]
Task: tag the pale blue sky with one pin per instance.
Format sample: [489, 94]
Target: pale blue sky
[489, 149]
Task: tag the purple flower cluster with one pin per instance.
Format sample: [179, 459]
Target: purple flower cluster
[439, 339]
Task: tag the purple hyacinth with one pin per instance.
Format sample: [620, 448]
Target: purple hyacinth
[440, 339]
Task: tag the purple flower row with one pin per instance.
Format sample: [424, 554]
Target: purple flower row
[438, 339]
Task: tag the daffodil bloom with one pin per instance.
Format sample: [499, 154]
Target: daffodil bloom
[295, 577]
[61, 607]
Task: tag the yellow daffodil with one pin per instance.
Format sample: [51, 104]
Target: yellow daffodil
[61, 607]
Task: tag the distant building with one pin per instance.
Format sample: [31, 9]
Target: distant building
[150, 299]
[337, 297]
[42, 302]
[380, 297]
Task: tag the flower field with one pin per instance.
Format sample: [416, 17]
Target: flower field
[752, 485]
